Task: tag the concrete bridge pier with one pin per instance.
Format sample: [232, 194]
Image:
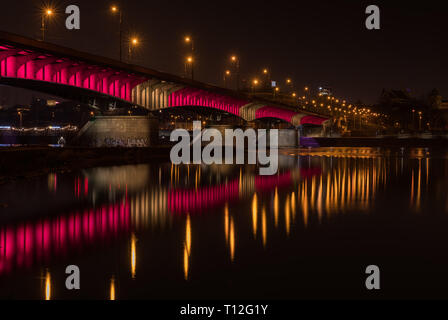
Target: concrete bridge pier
[118, 131]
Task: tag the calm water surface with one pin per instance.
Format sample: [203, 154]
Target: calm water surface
[157, 231]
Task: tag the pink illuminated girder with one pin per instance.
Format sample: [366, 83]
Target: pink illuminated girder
[26, 64]
[274, 112]
[15, 63]
[287, 115]
[312, 120]
[201, 98]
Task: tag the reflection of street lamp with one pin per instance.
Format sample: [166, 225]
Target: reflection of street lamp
[46, 14]
[114, 10]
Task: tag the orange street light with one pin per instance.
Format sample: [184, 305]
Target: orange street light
[189, 40]
[114, 10]
[46, 14]
[133, 42]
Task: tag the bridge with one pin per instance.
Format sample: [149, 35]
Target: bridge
[26, 59]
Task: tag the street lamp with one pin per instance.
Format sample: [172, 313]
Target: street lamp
[420, 121]
[306, 89]
[267, 77]
[236, 63]
[413, 119]
[255, 83]
[118, 10]
[190, 62]
[189, 40]
[276, 90]
[227, 75]
[20, 118]
[46, 14]
[133, 42]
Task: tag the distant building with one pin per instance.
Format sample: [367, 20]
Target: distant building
[444, 105]
[325, 91]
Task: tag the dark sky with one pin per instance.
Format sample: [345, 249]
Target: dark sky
[316, 42]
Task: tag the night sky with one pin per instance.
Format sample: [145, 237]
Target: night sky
[313, 42]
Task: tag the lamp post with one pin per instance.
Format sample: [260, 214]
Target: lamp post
[236, 63]
[132, 43]
[190, 62]
[289, 83]
[267, 78]
[255, 83]
[20, 118]
[420, 117]
[46, 14]
[413, 119]
[276, 91]
[189, 40]
[227, 75]
[118, 10]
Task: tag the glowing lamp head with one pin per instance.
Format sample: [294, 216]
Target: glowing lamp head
[134, 41]
[189, 59]
[228, 72]
[114, 9]
[265, 71]
[255, 82]
[187, 39]
[233, 58]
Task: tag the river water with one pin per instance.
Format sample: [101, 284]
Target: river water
[158, 231]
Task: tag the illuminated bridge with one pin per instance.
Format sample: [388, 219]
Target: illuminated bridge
[29, 60]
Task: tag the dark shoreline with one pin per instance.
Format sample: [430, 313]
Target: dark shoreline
[27, 162]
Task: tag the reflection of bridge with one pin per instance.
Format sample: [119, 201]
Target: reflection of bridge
[23, 58]
[350, 184]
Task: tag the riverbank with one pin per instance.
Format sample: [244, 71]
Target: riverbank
[25, 162]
